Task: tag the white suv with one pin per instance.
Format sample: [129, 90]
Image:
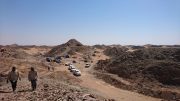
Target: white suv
[77, 72]
[71, 67]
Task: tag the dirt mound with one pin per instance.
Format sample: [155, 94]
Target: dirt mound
[170, 54]
[147, 66]
[71, 47]
[101, 47]
[115, 51]
[164, 72]
[134, 64]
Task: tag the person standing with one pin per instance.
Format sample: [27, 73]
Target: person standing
[32, 77]
[13, 77]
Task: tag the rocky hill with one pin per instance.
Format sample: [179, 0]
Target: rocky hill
[71, 47]
[146, 66]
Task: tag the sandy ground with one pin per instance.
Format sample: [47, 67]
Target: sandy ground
[108, 91]
[34, 51]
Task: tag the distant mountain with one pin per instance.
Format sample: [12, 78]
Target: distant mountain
[73, 42]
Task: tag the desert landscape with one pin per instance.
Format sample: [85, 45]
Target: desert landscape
[76, 72]
[89, 50]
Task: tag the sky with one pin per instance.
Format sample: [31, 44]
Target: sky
[124, 22]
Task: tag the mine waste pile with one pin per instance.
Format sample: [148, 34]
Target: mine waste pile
[153, 71]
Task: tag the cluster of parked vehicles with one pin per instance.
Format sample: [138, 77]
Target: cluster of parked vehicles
[74, 70]
[71, 67]
[54, 59]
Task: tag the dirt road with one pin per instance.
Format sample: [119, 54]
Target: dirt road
[108, 91]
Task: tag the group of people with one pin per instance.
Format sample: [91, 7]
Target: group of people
[13, 77]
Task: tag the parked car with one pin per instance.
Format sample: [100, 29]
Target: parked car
[67, 56]
[73, 70]
[67, 64]
[49, 59]
[58, 57]
[77, 72]
[74, 61]
[71, 67]
[57, 60]
[85, 60]
[87, 65]
[70, 64]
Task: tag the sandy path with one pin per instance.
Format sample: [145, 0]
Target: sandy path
[108, 91]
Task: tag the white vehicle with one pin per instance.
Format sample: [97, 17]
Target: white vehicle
[77, 72]
[67, 64]
[73, 70]
[71, 67]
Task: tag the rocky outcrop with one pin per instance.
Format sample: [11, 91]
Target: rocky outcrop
[149, 70]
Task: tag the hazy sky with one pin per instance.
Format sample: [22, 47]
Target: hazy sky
[52, 22]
